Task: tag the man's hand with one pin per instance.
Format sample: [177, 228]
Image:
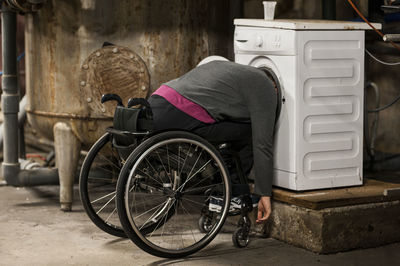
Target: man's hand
[264, 209]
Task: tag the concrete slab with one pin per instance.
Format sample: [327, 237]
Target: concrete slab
[329, 221]
[33, 231]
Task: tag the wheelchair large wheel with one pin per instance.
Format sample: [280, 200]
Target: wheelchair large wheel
[97, 185]
[165, 187]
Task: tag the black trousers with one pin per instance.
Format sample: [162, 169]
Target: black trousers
[167, 116]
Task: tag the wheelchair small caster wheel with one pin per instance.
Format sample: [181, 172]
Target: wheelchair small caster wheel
[240, 238]
[205, 224]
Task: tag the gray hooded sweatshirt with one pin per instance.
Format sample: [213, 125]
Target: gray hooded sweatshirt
[238, 93]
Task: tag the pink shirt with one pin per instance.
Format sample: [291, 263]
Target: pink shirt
[183, 104]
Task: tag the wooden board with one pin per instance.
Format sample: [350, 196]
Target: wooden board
[372, 191]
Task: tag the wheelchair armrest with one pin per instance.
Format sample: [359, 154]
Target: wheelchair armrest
[126, 133]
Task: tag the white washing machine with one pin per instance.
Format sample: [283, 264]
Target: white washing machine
[319, 66]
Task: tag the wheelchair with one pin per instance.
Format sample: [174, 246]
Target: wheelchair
[157, 187]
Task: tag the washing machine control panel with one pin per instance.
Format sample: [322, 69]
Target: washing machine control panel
[272, 41]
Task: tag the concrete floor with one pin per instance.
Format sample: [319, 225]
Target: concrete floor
[33, 231]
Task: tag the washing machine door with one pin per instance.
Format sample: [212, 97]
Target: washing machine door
[265, 64]
[284, 150]
[285, 131]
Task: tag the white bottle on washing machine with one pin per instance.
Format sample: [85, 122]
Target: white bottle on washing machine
[319, 66]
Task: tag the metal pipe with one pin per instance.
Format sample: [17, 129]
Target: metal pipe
[34, 177]
[21, 119]
[10, 105]
[10, 97]
[391, 37]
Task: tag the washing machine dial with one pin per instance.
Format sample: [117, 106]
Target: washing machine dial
[259, 41]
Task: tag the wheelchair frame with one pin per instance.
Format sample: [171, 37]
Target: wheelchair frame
[207, 224]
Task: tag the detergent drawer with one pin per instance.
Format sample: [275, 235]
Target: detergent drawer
[264, 41]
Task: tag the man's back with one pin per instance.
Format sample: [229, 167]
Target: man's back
[224, 89]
